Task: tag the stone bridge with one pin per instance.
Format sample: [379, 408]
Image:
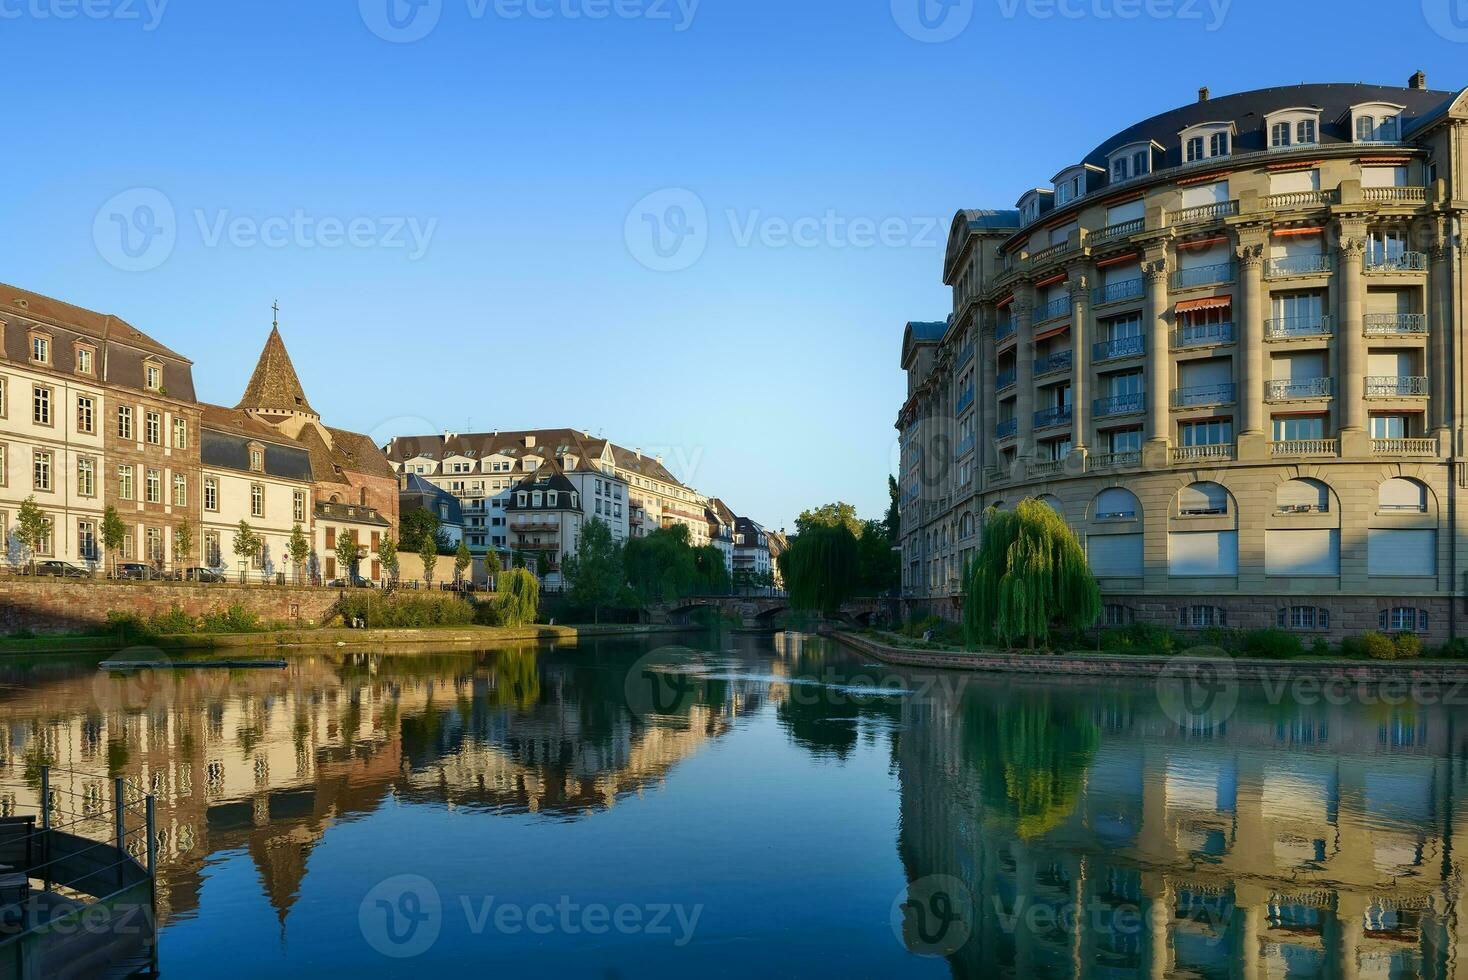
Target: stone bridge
[763, 612]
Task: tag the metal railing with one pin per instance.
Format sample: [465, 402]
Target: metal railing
[1046, 467]
[1045, 254]
[1119, 230]
[1059, 361]
[1290, 327]
[1404, 447]
[1298, 265]
[1395, 324]
[1006, 379]
[1399, 387]
[1304, 447]
[1298, 388]
[1128, 404]
[1203, 334]
[965, 446]
[1004, 330]
[1402, 195]
[1203, 212]
[1398, 262]
[1115, 292]
[1188, 454]
[1205, 275]
[1056, 415]
[1203, 395]
[1053, 310]
[965, 355]
[1301, 199]
[1007, 429]
[1108, 350]
[1112, 461]
[965, 399]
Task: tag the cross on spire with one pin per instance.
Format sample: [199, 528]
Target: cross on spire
[275, 317]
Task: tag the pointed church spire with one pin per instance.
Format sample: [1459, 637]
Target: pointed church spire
[274, 388]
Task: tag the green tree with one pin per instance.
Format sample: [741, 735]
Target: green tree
[830, 515]
[348, 553]
[713, 573]
[298, 550]
[594, 573]
[114, 531]
[517, 601]
[247, 546]
[820, 567]
[462, 560]
[894, 510]
[428, 552]
[1029, 572]
[542, 565]
[416, 525]
[183, 541]
[32, 529]
[879, 566]
[387, 553]
[519, 560]
[661, 565]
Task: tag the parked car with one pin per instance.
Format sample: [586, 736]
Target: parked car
[61, 569]
[198, 574]
[137, 571]
[356, 583]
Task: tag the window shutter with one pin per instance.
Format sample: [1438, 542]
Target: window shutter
[1203, 553]
[1401, 551]
[1116, 502]
[1400, 494]
[1203, 498]
[1115, 555]
[1314, 551]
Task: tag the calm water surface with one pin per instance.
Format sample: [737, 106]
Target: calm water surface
[759, 806]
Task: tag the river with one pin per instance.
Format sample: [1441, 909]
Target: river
[735, 805]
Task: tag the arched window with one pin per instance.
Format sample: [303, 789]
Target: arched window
[1402, 495]
[1052, 502]
[1201, 617]
[1302, 496]
[1304, 618]
[1403, 619]
[1116, 504]
[1197, 499]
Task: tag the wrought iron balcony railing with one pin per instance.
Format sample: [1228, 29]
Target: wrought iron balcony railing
[1298, 388]
[1128, 404]
[1059, 361]
[1395, 324]
[1205, 275]
[1110, 350]
[1056, 415]
[1203, 334]
[1292, 327]
[1298, 265]
[1203, 395]
[1117, 291]
[1398, 387]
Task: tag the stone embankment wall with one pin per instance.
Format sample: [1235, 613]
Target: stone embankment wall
[61, 606]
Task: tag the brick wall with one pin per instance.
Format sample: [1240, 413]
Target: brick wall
[52, 606]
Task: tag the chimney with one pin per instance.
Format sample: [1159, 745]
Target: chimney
[529, 442]
[1203, 94]
[638, 451]
[1418, 81]
[660, 459]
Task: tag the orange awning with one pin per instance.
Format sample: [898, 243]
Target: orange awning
[1203, 242]
[1211, 303]
[1049, 282]
[1053, 332]
[1290, 232]
[1004, 302]
[1129, 257]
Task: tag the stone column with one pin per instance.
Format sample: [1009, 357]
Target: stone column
[1351, 386]
[1439, 324]
[987, 415]
[1159, 359]
[1024, 355]
[1080, 385]
[1249, 334]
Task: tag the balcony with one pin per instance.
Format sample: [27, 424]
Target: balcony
[532, 527]
[1047, 254]
[964, 357]
[1298, 265]
[1203, 212]
[1110, 350]
[1401, 387]
[1128, 404]
[1046, 467]
[1205, 275]
[1305, 447]
[1400, 262]
[1191, 454]
[1119, 230]
[1196, 395]
[1114, 461]
[1296, 389]
[965, 446]
[1203, 334]
[1395, 324]
[1006, 379]
[1047, 418]
[1297, 327]
[1300, 199]
[1395, 195]
[1004, 330]
[1053, 310]
[965, 399]
[1059, 361]
[1117, 291]
[1404, 447]
[1007, 429]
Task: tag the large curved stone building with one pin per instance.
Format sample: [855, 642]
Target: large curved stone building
[1225, 346]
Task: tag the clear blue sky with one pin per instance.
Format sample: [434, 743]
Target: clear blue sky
[524, 143]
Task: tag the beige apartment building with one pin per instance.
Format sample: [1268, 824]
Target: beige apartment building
[1225, 347]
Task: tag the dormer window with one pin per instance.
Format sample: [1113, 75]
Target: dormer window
[153, 376]
[552, 497]
[1207, 140]
[86, 361]
[1218, 145]
[1279, 134]
[1194, 149]
[1131, 161]
[257, 458]
[40, 348]
[1305, 131]
[1376, 122]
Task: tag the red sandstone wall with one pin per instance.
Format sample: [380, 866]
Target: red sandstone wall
[52, 606]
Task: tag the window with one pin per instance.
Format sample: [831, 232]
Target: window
[1139, 163]
[1302, 551]
[1303, 618]
[1401, 552]
[1389, 427]
[180, 490]
[86, 477]
[41, 471]
[154, 374]
[1402, 495]
[1203, 553]
[1291, 428]
[86, 539]
[1279, 134]
[153, 486]
[1305, 133]
[40, 349]
[1119, 170]
[153, 429]
[1218, 145]
[3, 400]
[1388, 129]
[1206, 432]
[1365, 129]
[1201, 617]
[212, 552]
[1116, 615]
[1194, 149]
[298, 505]
[85, 414]
[211, 493]
[1302, 496]
[1116, 503]
[180, 434]
[84, 360]
[154, 539]
[1200, 499]
[4, 476]
[124, 422]
[125, 482]
[1115, 555]
[41, 405]
[257, 460]
[1403, 619]
[257, 500]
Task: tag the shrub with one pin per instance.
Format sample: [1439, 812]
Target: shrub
[1141, 638]
[1272, 643]
[235, 619]
[1320, 648]
[1408, 646]
[1372, 646]
[406, 610]
[127, 626]
[173, 621]
[1455, 649]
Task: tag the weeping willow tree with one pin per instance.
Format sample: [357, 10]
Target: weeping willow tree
[820, 567]
[1030, 572]
[517, 601]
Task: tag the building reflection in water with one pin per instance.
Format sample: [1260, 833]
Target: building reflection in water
[1095, 838]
